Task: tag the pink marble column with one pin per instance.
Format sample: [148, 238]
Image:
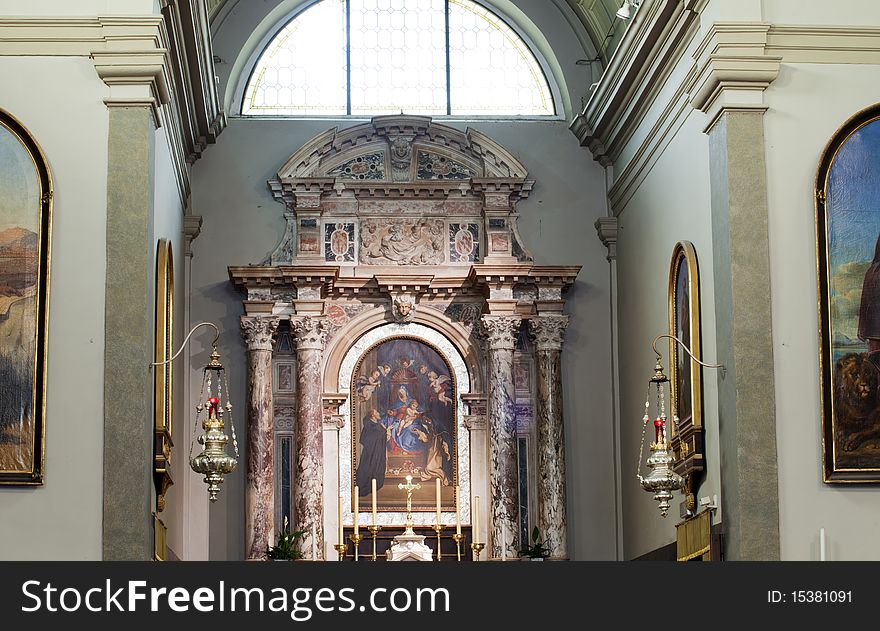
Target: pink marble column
[501, 333]
[258, 333]
[308, 484]
[549, 331]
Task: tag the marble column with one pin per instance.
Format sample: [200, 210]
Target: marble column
[308, 484]
[501, 334]
[549, 331]
[259, 503]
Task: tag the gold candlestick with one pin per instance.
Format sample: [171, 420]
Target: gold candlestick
[477, 548]
[356, 540]
[438, 529]
[340, 549]
[374, 530]
[458, 538]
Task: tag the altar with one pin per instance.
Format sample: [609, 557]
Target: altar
[400, 333]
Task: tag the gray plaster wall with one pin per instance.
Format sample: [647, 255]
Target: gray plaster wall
[242, 224]
[62, 519]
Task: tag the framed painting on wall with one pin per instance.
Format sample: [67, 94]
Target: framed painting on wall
[404, 415]
[163, 371]
[848, 252]
[25, 236]
[686, 386]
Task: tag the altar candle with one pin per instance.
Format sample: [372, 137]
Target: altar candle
[437, 480]
[503, 541]
[340, 518]
[457, 511]
[314, 556]
[374, 501]
[476, 520]
[821, 544]
[354, 511]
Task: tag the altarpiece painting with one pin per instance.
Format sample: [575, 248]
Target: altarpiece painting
[848, 245]
[25, 225]
[404, 405]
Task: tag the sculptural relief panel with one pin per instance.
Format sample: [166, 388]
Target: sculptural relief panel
[402, 241]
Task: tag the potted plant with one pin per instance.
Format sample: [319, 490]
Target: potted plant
[536, 551]
[285, 548]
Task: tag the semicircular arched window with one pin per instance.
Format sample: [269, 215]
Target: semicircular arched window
[372, 57]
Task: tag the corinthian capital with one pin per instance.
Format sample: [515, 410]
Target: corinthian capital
[501, 331]
[549, 331]
[259, 332]
[311, 333]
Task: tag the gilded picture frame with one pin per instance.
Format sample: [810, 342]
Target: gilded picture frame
[26, 194]
[848, 266]
[163, 372]
[394, 352]
[685, 378]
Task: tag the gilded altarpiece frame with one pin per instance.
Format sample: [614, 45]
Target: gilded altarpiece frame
[163, 371]
[848, 257]
[25, 244]
[685, 378]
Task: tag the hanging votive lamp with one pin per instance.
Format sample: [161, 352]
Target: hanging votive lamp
[214, 462]
[662, 479]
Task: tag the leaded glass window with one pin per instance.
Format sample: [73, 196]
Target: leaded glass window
[369, 57]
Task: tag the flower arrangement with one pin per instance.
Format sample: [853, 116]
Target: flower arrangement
[285, 548]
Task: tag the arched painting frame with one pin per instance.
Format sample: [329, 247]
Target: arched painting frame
[25, 244]
[434, 422]
[685, 377]
[848, 258]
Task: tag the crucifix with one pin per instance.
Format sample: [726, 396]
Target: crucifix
[409, 487]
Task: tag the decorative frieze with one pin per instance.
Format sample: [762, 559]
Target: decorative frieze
[402, 241]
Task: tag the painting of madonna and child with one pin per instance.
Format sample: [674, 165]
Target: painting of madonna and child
[404, 419]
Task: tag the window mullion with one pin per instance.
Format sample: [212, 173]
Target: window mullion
[448, 69]
[348, 57]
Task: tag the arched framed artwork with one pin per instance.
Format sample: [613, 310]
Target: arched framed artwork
[404, 417]
[25, 240]
[162, 371]
[848, 252]
[684, 373]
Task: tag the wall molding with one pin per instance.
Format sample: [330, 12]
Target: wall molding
[162, 61]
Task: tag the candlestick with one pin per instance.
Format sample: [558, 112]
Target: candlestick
[821, 544]
[458, 538]
[356, 540]
[438, 529]
[354, 510]
[503, 541]
[340, 550]
[374, 502]
[341, 539]
[437, 486]
[374, 530]
[475, 520]
[457, 510]
[477, 548]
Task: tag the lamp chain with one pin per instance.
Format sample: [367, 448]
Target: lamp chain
[229, 409]
[192, 440]
[645, 420]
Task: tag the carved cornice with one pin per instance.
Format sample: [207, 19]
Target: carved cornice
[549, 331]
[731, 69]
[606, 229]
[310, 333]
[259, 332]
[132, 54]
[192, 227]
[501, 332]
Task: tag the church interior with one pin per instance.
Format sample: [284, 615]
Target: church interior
[439, 280]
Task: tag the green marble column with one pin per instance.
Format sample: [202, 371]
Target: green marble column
[128, 337]
[743, 320]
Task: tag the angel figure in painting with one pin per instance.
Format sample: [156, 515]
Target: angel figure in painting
[440, 384]
[366, 386]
